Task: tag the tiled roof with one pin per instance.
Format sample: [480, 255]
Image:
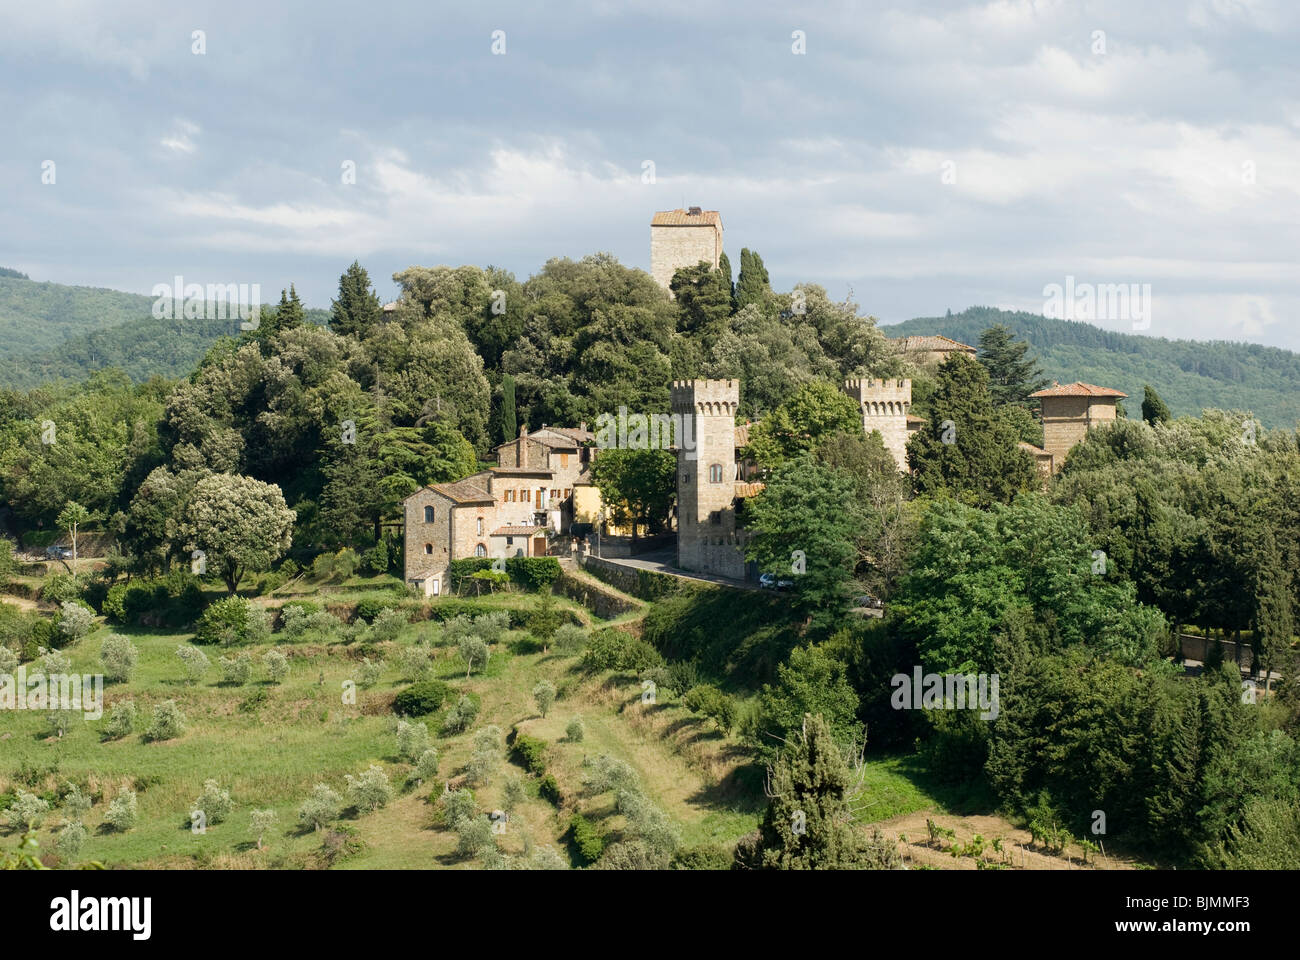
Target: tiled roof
[742, 433]
[522, 471]
[576, 433]
[684, 218]
[1078, 389]
[933, 343]
[749, 489]
[516, 531]
[914, 421]
[1030, 448]
[465, 491]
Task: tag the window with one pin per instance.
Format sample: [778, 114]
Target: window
[686, 478]
[510, 496]
[715, 473]
[564, 460]
[555, 494]
[528, 496]
[480, 526]
[428, 514]
[437, 586]
[568, 492]
[428, 549]
[510, 541]
[480, 551]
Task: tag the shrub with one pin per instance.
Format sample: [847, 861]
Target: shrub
[544, 696]
[458, 806]
[321, 808]
[608, 773]
[76, 804]
[121, 721]
[173, 600]
[513, 794]
[306, 607]
[703, 857]
[28, 810]
[426, 767]
[714, 704]
[544, 858]
[412, 739]
[420, 699]
[195, 662]
[322, 567]
[114, 605]
[369, 673]
[545, 619]
[277, 666]
[214, 802]
[236, 670]
[118, 655]
[681, 676]
[60, 587]
[346, 562]
[549, 790]
[570, 638]
[585, 839]
[534, 573]
[75, 620]
[121, 813]
[375, 560]
[474, 836]
[614, 649]
[387, 626]
[71, 839]
[461, 716]
[372, 605]
[8, 660]
[55, 663]
[370, 790]
[271, 582]
[413, 663]
[229, 621]
[168, 722]
[289, 569]
[531, 752]
[576, 730]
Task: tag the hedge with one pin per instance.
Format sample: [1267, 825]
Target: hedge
[585, 839]
[532, 573]
[422, 698]
[531, 751]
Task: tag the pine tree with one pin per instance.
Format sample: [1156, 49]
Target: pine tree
[808, 824]
[509, 418]
[357, 308]
[1153, 408]
[752, 286]
[1012, 375]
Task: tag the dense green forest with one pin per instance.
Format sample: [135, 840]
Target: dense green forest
[1192, 375]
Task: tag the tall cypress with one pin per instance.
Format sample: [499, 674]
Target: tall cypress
[509, 420]
[752, 285]
[1153, 408]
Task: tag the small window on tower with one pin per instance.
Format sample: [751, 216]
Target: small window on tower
[428, 514]
[715, 473]
[428, 548]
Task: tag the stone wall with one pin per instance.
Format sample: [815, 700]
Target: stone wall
[672, 248]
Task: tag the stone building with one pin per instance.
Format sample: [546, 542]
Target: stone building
[708, 540]
[682, 238]
[931, 351]
[886, 406]
[509, 510]
[1070, 411]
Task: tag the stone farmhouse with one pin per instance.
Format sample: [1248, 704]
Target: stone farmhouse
[510, 510]
[1069, 412]
[931, 351]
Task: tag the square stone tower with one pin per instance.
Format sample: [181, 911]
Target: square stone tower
[707, 538]
[1069, 411]
[884, 405]
[682, 238]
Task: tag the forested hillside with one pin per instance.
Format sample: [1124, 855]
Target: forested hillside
[50, 332]
[1190, 375]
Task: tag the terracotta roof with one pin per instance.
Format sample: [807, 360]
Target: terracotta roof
[390, 307]
[1030, 448]
[749, 489]
[465, 491]
[1078, 389]
[913, 419]
[742, 433]
[522, 471]
[516, 531]
[933, 343]
[684, 218]
[555, 443]
[577, 433]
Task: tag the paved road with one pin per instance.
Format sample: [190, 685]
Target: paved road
[661, 561]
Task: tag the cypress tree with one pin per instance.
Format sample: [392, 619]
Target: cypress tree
[357, 308]
[752, 285]
[509, 420]
[1153, 408]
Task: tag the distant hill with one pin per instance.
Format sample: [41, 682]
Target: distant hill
[49, 331]
[1189, 375]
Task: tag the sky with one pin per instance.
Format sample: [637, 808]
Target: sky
[919, 157]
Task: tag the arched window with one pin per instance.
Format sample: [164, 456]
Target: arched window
[715, 473]
[428, 548]
[428, 514]
[480, 551]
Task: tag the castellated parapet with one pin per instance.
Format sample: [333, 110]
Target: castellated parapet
[884, 405]
[707, 538]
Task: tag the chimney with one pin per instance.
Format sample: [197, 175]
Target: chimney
[582, 425]
[523, 430]
[694, 211]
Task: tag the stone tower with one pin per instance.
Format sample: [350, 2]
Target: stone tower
[1070, 411]
[707, 539]
[884, 405]
[682, 238]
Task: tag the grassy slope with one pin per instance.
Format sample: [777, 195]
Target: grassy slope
[1188, 375]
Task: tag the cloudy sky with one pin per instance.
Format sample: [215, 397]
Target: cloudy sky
[925, 156]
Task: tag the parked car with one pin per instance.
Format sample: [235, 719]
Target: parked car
[768, 581]
[58, 553]
[868, 601]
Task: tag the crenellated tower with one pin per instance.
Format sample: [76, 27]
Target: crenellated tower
[884, 405]
[707, 539]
